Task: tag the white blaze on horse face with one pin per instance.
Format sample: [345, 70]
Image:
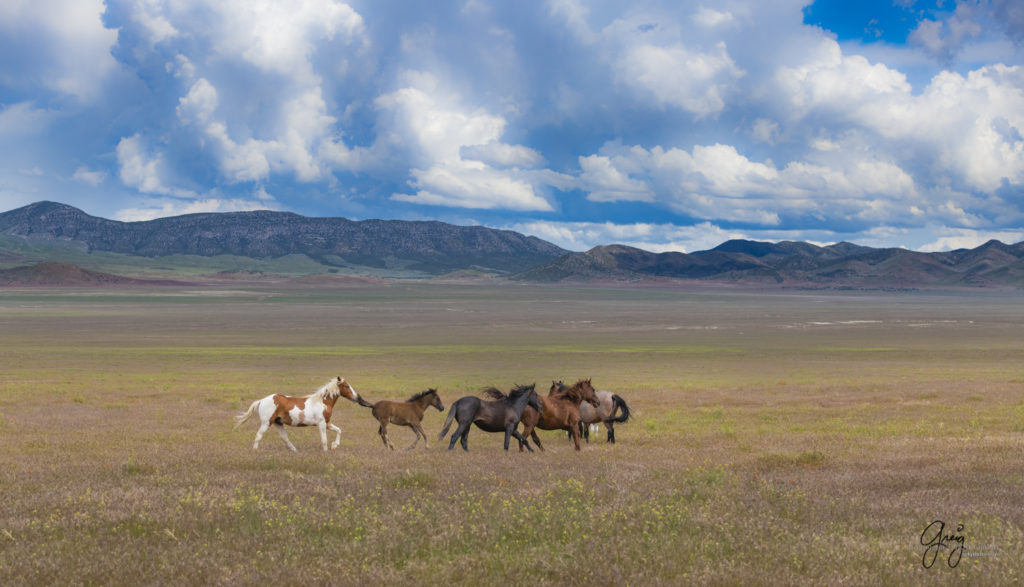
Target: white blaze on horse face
[355, 396]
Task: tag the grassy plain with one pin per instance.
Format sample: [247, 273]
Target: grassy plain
[778, 437]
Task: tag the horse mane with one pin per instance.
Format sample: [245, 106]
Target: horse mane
[329, 388]
[421, 395]
[570, 391]
[521, 390]
[494, 393]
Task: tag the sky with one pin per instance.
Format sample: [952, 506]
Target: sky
[672, 125]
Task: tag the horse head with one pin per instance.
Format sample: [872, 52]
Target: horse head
[588, 392]
[534, 400]
[345, 390]
[555, 386]
[437, 400]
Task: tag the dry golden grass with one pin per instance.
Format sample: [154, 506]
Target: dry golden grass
[780, 438]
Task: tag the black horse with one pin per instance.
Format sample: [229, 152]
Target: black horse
[501, 415]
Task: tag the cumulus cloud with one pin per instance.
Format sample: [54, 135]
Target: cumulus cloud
[87, 176]
[716, 115]
[139, 169]
[444, 133]
[675, 76]
[471, 184]
[500, 154]
[163, 208]
[61, 45]
[659, 238]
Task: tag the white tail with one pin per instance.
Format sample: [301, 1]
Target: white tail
[239, 420]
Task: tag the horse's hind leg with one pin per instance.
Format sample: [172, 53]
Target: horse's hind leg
[611, 431]
[383, 431]
[259, 435]
[462, 434]
[284, 437]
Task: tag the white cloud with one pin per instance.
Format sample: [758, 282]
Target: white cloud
[710, 18]
[471, 184]
[964, 238]
[459, 151]
[716, 182]
[164, 208]
[658, 238]
[679, 77]
[605, 182]
[274, 36]
[142, 171]
[71, 47]
[199, 104]
[87, 176]
[502, 155]
[434, 119]
[22, 118]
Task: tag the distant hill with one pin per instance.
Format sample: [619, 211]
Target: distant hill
[431, 248]
[67, 275]
[796, 263]
[271, 246]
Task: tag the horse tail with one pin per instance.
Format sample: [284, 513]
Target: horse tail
[363, 402]
[448, 420]
[618, 402]
[243, 418]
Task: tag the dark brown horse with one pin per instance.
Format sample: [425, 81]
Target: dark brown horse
[501, 415]
[408, 413]
[561, 411]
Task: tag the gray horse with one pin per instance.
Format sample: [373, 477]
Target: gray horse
[605, 412]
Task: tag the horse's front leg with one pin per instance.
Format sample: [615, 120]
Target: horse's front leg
[418, 431]
[322, 426]
[337, 439]
[511, 431]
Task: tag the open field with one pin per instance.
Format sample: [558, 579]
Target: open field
[779, 437]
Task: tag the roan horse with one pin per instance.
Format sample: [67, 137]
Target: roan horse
[561, 411]
[501, 415]
[408, 413]
[313, 410]
[604, 413]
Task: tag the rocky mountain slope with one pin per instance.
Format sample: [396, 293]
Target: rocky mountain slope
[432, 248]
[842, 264]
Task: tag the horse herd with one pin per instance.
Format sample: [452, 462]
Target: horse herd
[566, 407]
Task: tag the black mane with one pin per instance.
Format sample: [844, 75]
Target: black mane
[421, 394]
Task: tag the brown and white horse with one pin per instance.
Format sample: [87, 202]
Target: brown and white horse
[313, 410]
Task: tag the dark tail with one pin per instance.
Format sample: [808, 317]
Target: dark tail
[363, 402]
[618, 402]
[448, 421]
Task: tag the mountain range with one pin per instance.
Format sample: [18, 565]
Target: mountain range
[282, 242]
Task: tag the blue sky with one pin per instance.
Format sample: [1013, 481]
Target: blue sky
[670, 125]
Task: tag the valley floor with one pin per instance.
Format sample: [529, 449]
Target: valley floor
[777, 437]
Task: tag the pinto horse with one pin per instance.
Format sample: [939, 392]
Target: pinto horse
[561, 411]
[604, 413]
[408, 413]
[313, 410]
[501, 415]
